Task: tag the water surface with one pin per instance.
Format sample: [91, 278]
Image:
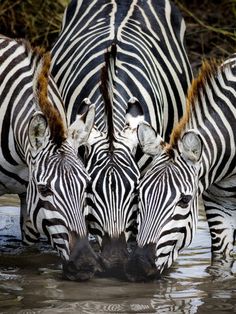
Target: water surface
[31, 280]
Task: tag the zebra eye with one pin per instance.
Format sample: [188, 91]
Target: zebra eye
[184, 201]
[45, 190]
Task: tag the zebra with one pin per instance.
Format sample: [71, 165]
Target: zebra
[129, 56]
[38, 156]
[200, 160]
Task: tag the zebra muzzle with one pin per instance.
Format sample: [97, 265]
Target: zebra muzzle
[114, 254]
[83, 262]
[141, 264]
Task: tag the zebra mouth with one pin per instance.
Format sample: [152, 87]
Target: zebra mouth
[141, 264]
[82, 273]
[141, 271]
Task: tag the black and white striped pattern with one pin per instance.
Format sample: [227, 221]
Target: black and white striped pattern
[200, 160]
[144, 42]
[35, 162]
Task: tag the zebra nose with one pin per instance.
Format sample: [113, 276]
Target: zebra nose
[114, 254]
[141, 264]
[83, 262]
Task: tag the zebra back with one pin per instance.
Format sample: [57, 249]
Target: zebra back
[151, 62]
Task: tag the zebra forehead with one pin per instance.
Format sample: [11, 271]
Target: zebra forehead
[65, 160]
[167, 174]
[121, 172]
[114, 176]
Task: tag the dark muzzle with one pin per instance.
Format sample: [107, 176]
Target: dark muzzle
[83, 262]
[141, 264]
[114, 255]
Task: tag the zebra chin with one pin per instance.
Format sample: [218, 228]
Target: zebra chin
[141, 265]
[83, 262]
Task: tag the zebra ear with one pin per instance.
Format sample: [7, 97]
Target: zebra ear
[80, 129]
[190, 146]
[134, 115]
[149, 140]
[37, 130]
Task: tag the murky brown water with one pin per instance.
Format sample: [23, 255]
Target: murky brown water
[31, 281]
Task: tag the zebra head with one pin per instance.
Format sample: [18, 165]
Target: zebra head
[57, 180]
[168, 193]
[112, 192]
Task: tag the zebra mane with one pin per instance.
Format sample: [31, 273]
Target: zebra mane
[207, 71]
[55, 122]
[42, 63]
[106, 89]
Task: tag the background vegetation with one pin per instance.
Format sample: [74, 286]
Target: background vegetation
[37, 20]
[211, 24]
[211, 28]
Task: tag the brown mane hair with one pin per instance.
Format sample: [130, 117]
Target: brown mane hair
[54, 119]
[206, 72]
[42, 63]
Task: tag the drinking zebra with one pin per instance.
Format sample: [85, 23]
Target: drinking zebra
[38, 156]
[128, 56]
[200, 160]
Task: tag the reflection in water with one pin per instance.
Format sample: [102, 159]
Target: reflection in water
[31, 280]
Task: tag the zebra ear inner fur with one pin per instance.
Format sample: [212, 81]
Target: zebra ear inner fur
[151, 143]
[37, 130]
[190, 146]
[80, 129]
[134, 115]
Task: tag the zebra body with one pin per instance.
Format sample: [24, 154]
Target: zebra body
[150, 62]
[200, 160]
[140, 46]
[38, 153]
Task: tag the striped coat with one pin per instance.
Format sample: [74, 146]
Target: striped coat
[38, 156]
[200, 160]
[128, 56]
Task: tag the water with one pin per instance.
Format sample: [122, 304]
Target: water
[31, 280]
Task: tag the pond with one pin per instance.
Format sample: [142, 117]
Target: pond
[31, 280]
